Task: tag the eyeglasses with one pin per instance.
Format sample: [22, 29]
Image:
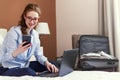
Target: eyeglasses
[29, 18]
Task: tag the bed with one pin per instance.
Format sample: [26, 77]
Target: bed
[75, 75]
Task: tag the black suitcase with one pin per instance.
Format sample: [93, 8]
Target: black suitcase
[98, 64]
[94, 44]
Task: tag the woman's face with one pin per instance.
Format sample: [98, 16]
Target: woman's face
[31, 19]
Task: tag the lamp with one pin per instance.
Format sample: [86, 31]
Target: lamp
[43, 28]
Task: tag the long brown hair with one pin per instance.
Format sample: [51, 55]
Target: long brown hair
[29, 7]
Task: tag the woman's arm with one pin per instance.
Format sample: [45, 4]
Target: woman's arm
[12, 47]
[42, 59]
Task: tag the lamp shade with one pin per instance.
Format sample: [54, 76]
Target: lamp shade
[42, 28]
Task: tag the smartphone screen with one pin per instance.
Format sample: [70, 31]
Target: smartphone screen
[26, 38]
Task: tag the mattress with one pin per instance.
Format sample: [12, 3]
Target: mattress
[75, 75]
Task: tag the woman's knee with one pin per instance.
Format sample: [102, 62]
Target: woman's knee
[30, 72]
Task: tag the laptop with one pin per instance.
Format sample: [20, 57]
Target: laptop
[67, 64]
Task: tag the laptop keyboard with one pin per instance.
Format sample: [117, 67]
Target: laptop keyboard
[51, 75]
[48, 74]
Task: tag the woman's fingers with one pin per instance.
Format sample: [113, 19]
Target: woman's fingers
[27, 46]
[23, 43]
[53, 68]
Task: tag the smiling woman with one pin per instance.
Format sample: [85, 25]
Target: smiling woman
[15, 59]
[10, 15]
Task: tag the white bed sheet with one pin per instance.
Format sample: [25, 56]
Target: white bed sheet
[75, 75]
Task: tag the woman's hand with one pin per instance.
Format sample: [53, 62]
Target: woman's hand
[21, 49]
[51, 67]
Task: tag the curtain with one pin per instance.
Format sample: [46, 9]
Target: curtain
[109, 24]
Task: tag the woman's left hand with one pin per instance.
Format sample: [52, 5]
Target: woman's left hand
[51, 67]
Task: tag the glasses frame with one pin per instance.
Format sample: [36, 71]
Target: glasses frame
[29, 18]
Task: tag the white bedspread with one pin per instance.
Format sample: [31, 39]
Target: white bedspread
[75, 75]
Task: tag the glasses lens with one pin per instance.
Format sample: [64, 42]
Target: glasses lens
[29, 18]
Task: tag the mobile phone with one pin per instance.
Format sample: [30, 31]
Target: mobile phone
[26, 38]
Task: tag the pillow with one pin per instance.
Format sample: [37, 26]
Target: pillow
[0, 53]
[3, 33]
[1, 40]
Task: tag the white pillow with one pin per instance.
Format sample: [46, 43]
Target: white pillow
[3, 33]
[1, 40]
[0, 53]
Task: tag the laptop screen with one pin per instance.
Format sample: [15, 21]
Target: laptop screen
[68, 61]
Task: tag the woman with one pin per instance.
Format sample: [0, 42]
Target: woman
[15, 60]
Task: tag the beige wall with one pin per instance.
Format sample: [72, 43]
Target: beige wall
[74, 17]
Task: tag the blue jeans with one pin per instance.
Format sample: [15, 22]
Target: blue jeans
[34, 67]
